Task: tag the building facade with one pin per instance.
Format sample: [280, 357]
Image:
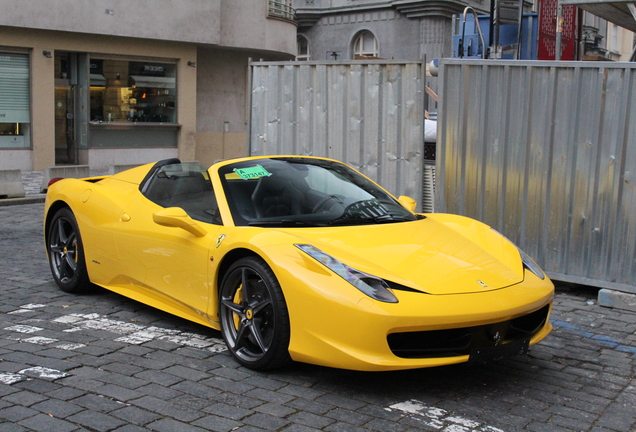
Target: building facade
[120, 83]
[417, 29]
[390, 29]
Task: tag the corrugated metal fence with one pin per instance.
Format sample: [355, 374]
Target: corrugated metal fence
[369, 114]
[545, 152]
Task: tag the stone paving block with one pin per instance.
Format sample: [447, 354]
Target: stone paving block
[310, 406]
[310, 419]
[13, 427]
[170, 425]
[119, 393]
[344, 427]
[266, 421]
[130, 428]
[270, 396]
[275, 409]
[135, 415]
[57, 408]
[350, 417]
[45, 423]
[228, 411]
[24, 398]
[166, 408]
[216, 424]
[96, 421]
[300, 428]
[200, 390]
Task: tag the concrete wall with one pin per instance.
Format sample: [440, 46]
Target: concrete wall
[397, 35]
[231, 23]
[222, 99]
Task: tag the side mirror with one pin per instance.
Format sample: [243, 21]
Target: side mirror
[176, 217]
[408, 203]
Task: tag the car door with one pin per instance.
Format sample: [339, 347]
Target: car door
[171, 264]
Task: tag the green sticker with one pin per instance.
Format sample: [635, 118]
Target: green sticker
[252, 172]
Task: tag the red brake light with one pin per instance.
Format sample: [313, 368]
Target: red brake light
[54, 180]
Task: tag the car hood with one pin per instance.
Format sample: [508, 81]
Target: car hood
[442, 254]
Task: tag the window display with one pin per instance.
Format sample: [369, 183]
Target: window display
[132, 91]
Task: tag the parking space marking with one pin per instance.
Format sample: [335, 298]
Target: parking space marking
[131, 333]
[10, 378]
[23, 329]
[136, 334]
[26, 308]
[603, 340]
[43, 373]
[440, 419]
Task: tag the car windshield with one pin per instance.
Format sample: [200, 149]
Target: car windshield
[297, 192]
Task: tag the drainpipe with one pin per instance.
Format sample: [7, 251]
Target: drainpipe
[559, 31]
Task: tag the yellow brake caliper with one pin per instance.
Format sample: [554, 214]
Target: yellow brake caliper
[238, 299]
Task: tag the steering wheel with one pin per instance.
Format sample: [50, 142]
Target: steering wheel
[326, 204]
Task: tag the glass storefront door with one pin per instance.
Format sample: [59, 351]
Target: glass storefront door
[71, 106]
[65, 148]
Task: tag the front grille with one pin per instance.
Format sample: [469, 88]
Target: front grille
[461, 341]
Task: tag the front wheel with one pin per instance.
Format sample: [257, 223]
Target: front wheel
[66, 252]
[253, 315]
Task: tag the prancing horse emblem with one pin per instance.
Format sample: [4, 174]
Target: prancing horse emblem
[482, 283]
[496, 338]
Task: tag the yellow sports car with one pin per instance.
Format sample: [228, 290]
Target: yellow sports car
[299, 258]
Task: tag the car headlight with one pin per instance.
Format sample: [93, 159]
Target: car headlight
[373, 286]
[526, 260]
[531, 265]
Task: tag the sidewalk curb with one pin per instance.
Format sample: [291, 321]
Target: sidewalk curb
[20, 201]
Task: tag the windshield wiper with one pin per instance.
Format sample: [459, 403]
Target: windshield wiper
[363, 219]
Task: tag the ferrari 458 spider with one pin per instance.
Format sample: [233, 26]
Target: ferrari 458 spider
[299, 258]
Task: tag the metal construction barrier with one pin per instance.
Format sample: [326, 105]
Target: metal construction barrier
[545, 152]
[369, 114]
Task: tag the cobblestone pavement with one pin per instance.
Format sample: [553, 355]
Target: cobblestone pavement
[100, 362]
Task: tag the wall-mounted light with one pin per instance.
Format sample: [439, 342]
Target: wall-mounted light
[47, 54]
[192, 64]
[118, 77]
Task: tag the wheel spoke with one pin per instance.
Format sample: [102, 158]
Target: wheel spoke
[247, 290]
[258, 307]
[69, 258]
[236, 308]
[64, 269]
[241, 334]
[256, 333]
[61, 235]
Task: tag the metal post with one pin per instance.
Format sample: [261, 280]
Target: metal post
[559, 31]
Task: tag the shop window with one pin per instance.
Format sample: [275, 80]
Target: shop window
[365, 45]
[303, 49]
[14, 101]
[132, 91]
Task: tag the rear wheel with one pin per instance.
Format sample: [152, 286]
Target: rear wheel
[66, 253]
[253, 314]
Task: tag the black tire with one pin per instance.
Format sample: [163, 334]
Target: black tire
[253, 315]
[66, 253]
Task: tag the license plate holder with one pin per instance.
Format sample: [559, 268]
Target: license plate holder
[495, 353]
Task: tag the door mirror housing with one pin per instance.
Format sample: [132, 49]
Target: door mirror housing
[176, 217]
[408, 203]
